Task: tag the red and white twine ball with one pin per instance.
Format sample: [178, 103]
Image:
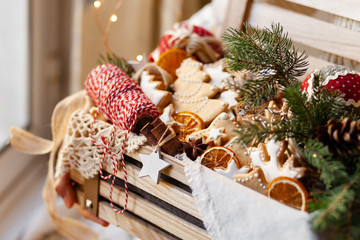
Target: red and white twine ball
[122, 102]
[336, 77]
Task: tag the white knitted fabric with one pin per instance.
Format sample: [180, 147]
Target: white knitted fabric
[79, 152]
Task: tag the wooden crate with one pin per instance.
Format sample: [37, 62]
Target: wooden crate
[168, 210]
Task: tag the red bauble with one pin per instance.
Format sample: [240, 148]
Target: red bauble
[336, 77]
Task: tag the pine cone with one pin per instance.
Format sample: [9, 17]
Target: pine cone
[342, 138]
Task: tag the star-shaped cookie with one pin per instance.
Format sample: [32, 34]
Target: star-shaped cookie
[254, 180]
[222, 121]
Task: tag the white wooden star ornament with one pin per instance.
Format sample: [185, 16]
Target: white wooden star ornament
[152, 165]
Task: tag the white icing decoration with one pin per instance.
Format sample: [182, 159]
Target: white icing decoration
[217, 75]
[229, 97]
[215, 133]
[149, 87]
[232, 170]
[224, 115]
[166, 116]
[272, 168]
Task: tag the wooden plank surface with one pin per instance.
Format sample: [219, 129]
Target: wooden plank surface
[131, 224]
[164, 190]
[308, 31]
[77, 177]
[234, 11]
[154, 214]
[344, 8]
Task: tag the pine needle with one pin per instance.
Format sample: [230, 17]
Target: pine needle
[269, 53]
[318, 155]
[118, 61]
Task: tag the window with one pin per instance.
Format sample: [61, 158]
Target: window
[14, 66]
[34, 47]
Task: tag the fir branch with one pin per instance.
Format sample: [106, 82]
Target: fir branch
[331, 206]
[318, 155]
[118, 61]
[253, 133]
[270, 53]
[326, 105]
[258, 90]
[300, 108]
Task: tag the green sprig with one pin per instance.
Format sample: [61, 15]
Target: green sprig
[118, 61]
[331, 170]
[269, 53]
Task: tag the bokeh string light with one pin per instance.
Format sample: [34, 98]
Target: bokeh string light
[113, 18]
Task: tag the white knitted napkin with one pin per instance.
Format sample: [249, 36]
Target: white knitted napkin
[232, 211]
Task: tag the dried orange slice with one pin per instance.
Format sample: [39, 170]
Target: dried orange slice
[171, 60]
[218, 157]
[188, 122]
[288, 191]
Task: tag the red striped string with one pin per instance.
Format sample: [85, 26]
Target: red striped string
[122, 102]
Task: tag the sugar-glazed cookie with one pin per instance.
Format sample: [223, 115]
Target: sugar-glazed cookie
[221, 129]
[217, 74]
[240, 150]
[154, 90]
[273, 162]
[193, 94]
[255, 180]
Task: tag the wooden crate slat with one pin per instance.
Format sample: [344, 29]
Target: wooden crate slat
[176, 170]
[165, 191]
[131, 224]
[235, 10]
[77, 177]
[308, 31]
[80, 197]
[154, 214]
[344, 8]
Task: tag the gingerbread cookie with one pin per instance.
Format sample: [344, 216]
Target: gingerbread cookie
[232, 170]
[159, 73]
[240, 150]
[218, 75]
[206, 108]
[155, 90]
[255, 180]
[229, 96]
[167, 115]
[219, 131]
[191, 82]
[273, 162]
[193, 94]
